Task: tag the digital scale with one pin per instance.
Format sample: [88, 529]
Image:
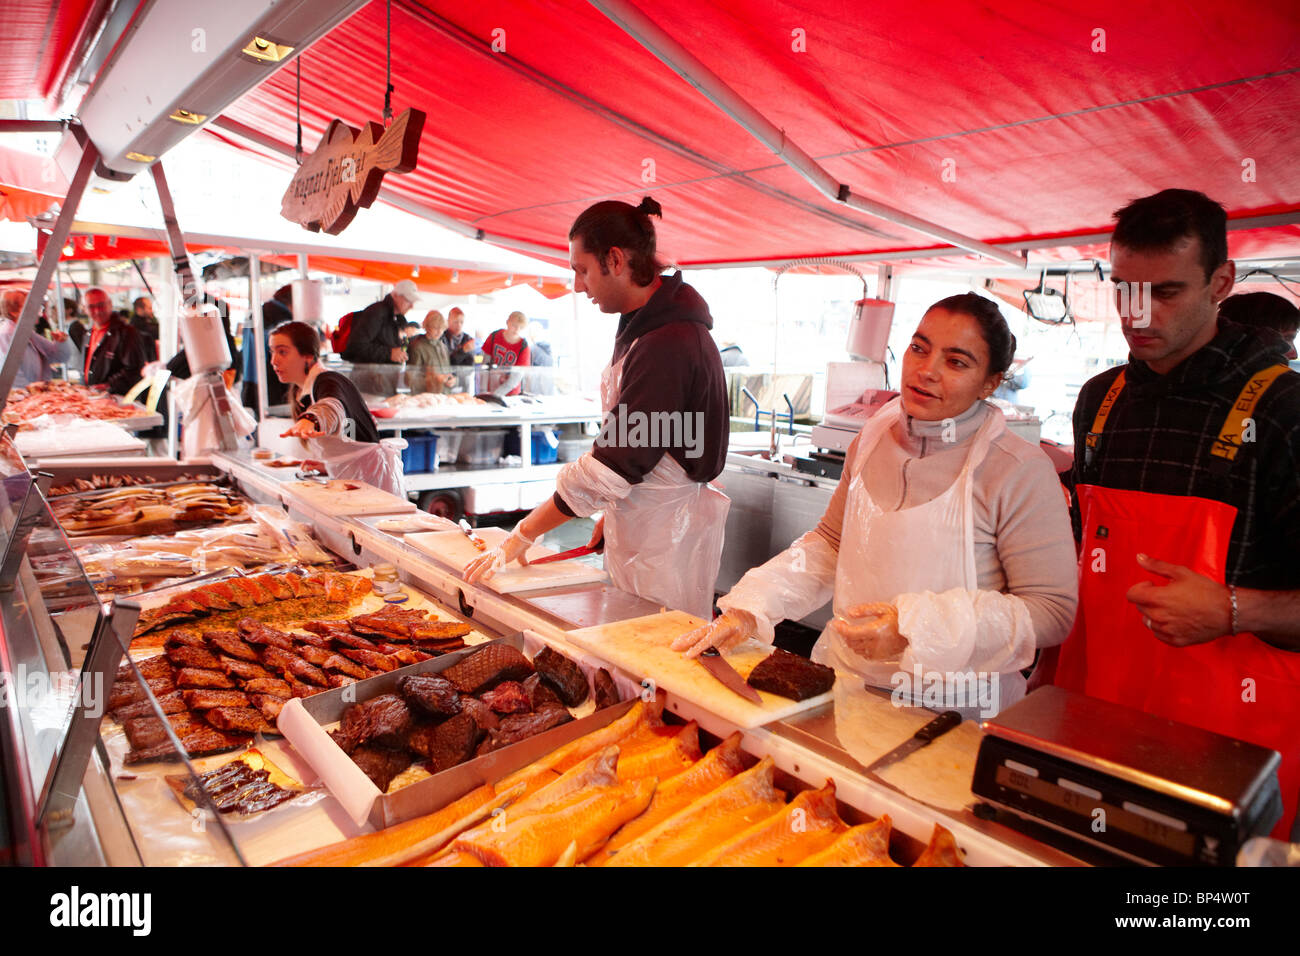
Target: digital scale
[1143, 787]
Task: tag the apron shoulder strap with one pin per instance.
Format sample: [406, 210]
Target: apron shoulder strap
[1103, 413]
[1231, 435]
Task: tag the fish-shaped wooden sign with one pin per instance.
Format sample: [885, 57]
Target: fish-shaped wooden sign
[346, 170]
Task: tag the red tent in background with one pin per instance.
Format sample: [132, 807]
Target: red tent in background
[1013, 124]
[29, 184]
[427, 278]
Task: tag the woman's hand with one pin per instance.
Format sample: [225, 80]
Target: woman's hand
[303, 428]
[727, 630]
[875, 638]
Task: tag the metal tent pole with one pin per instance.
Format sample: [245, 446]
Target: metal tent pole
[26, 326]
[259, 332]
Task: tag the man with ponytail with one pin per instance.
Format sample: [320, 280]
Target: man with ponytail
[666, 423]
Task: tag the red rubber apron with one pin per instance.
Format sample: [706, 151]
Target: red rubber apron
[1235, 685]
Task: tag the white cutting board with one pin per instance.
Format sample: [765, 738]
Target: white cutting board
[641, 647]
[364, 500]
[458, 551]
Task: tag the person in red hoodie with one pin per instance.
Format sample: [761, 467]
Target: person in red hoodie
[665, 430]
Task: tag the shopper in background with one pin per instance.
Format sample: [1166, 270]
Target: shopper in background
[76, 328]
[115, 354]
[428, 367]
[143, 321]
[1186, 479]
[507, 349]
[541, 378]
[460, 348]
[946, 545]
[376, 340]
[663, 522]
[1265, 310]
[41, 352]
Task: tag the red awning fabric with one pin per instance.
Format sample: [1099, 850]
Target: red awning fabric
[428, 278]
[1008, 123]
[29, 184]
[37, 43]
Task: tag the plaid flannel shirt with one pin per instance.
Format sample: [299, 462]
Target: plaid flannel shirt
[1158, 437]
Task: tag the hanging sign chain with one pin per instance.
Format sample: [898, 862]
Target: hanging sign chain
[388, 71]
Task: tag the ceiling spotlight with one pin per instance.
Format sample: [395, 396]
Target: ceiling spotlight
[266, 51]
[188, 117]
[140, 157]
[455, 275]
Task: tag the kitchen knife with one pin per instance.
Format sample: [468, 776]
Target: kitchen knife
[564, 555]
[922, 738]
[469, 533]
[726, 675]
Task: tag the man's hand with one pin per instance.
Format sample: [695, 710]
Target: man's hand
[303, 428]
[875, 636]
[449, 380]
[467, 345]
[57, 336]
[513, 548]
[727, 630]
[598, 534]
[1190, 609]
[397, 355]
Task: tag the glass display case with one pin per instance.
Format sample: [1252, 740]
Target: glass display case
[64, 664]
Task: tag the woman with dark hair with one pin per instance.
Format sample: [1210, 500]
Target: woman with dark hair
[322, 403]
[946, 546]
[666, 423]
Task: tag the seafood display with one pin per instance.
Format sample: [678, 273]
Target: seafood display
[493, 698]
[220, 685]
[614, 797]
[64, 398]
[137, 511]
[104, 482]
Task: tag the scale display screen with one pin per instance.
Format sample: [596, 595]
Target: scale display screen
[1144, 827]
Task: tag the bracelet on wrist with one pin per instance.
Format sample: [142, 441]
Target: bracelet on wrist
[1232, 603]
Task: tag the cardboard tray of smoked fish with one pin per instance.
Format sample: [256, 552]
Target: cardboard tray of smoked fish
[304, 722]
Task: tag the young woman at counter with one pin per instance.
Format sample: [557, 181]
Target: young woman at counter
[321, 402]
[947, 544]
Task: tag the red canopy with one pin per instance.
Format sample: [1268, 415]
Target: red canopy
[29, 184]
[38, 42]
[1009, 123]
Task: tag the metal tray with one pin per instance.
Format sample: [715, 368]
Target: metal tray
[435, 792]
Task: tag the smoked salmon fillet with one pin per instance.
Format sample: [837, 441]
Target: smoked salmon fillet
[586, 818]
[640, 715]
[668, 759]
[707, 774]
[455, 859]
[942, 850]
[690, 832]
[865, 845]
[371, 846]
[810, 823]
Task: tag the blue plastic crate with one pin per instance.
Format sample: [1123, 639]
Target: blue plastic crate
[546, 448]
[415, 456]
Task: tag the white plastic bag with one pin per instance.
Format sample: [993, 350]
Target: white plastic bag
[376, 464]
[199, 416]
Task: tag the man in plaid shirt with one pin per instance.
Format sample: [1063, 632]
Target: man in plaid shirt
[1186, 483]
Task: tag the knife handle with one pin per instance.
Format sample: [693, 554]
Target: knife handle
[939, 726]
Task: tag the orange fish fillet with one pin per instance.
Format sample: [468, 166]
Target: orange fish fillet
[455, 859]
[717, 766]
[587, 819]
[809, 824]
[866, 845]
[640, 715]
[370, 846]
[736, 805]
[942, 850]
[666, 760]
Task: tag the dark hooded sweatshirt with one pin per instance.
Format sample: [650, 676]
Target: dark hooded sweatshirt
[672, 366]
[1160, 431]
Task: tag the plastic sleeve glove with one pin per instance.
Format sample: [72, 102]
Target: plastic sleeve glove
[513, 548]
[961, 630]
[587, 486]
[727, 630]
[791, 585]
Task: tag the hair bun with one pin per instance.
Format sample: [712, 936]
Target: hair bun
[649, 207]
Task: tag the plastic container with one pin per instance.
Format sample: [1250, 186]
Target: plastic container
[448, 445]
[415, 456]
[546, 448]
[481, 447]
[571, 449]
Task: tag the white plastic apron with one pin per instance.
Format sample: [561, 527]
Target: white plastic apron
[663, 542]
[929, 547]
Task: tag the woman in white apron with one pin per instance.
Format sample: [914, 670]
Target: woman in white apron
[329, 414]
[665, 425]
[946, 548]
